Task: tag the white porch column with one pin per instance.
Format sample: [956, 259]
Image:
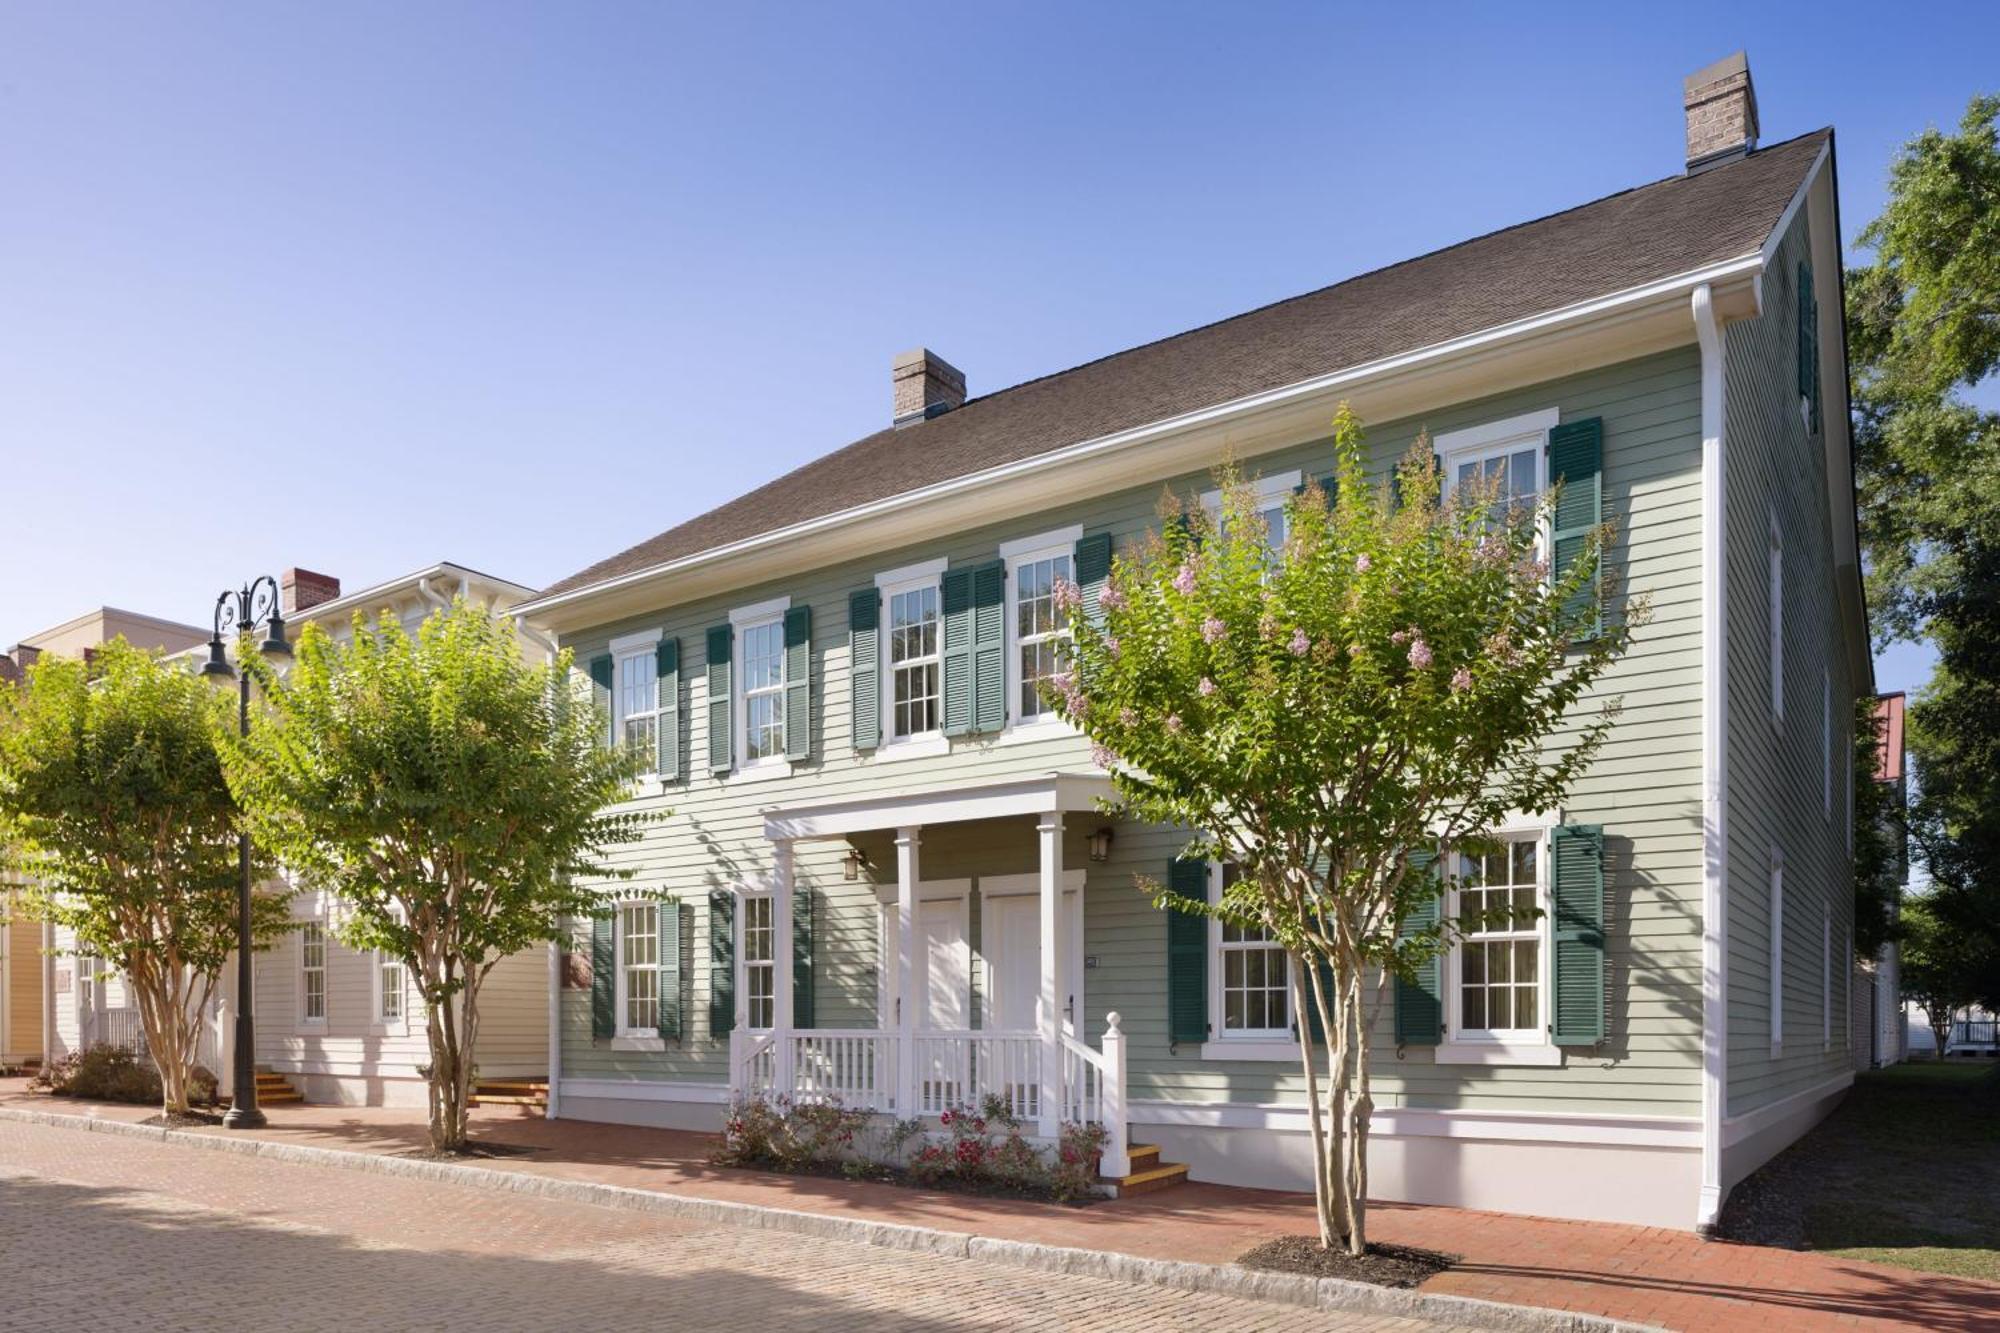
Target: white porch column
[906, 967]
[1049, 1123]
[781, 964]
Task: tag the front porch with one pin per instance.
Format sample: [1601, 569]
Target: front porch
[927, 1053]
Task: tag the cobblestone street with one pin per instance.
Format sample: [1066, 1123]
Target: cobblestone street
[104, 1232]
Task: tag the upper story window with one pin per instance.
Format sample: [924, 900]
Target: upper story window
[1271, 494]
[1509, 455]
[759, 955]
[1039, 627]
[312, 972]
[1775, 595]
[1253, 976]
[638, 969]
[912, 682]
[1497, 964]
[635, 693]
[760, 689]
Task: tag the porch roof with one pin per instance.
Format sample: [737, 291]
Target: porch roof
[1045, 794]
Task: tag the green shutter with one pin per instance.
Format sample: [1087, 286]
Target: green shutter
[955, 650]
[670, 970]
[667, 665]
[1093, 571]
[603, 670]
[864, 667]
[721, 963]
[798, 682]
[1576, 459]
[1577, 896]
[802, 958]
[1420, 998]
[721, 749]
[1187, 955]
[989, 646]
[603, 977]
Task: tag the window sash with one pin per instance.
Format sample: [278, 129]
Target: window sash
[1499, 966]
[1251, 994]
[392, 983]
[638, 703]
[1040, 627]
[761, 654]
[312, 972]
[639, 968]
[759, 957]
[912, 678]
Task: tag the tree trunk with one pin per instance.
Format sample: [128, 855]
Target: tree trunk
[159, 1006]
[454, 1030]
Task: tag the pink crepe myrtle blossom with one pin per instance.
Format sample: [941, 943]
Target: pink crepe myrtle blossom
[1301, 644]
[1111, 646]
[1362, 564]
[1184, 579]
[1213, 630]
[1102, 756]
[1066, 595]
[1127, 718]
[1420, 655]
[1492, 549]
[1174, 724]
[1461, 680]
[1400, 637]
[1111, 598]
[1206, 688]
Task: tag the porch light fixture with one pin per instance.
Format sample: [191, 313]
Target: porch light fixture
[850, 866]
[1100, 844]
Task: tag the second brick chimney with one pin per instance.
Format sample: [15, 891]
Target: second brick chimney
[299, 589]
[1721, 106]
[926, 385]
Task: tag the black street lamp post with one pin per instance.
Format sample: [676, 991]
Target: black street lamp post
[255, 601]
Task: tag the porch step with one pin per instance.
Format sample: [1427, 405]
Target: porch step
[1148, 1172]
[529, 1092]
[276, 1088]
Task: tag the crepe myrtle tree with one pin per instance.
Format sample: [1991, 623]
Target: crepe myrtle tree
[1401, 671]
[115, 812]
[452, 796]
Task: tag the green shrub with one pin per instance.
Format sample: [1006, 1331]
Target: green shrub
[105, 1073]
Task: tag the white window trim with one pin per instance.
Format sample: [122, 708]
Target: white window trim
[1504, 435]
[745, 896]
[1826, 980]
[1777, 924]
[315, 1026]
[909, 578]
[625, 1038]
[1256, 1044]
[378, 1024]
[1276, 486]
[1026, 551]
[1775, 613]
[742, 620]
[624, 648]
[1826, 736]
[1506, 1046]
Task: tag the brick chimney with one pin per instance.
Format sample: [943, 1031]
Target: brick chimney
[299, 589]
[926, 385]
[1721, 107]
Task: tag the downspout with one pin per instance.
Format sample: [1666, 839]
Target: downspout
[1714, 761]
[553, 1108]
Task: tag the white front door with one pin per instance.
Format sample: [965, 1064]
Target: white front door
[1011, 941]
[944, 973]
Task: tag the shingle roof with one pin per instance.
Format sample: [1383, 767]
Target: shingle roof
[1619, 242]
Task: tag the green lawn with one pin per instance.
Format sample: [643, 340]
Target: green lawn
[1906, 1172]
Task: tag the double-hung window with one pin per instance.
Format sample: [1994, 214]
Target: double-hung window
[391, 983]
[639, 969]
[1508, 456]
[636, 704]
[1039, 627]
[759, 955]
[911, 639]
[1253, 978]
[760, 653]
[1498, 962]
[1271, 494]
[312, 973]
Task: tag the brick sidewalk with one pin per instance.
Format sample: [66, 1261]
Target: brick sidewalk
[1647, 1275]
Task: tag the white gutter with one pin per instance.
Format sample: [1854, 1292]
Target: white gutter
[1601, 307]
[1714, 759]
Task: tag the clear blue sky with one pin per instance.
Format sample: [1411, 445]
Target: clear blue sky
[361, 287]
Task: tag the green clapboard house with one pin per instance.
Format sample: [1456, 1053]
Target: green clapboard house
[886, 877]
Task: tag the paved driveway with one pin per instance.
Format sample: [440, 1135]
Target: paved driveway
[104, 1232]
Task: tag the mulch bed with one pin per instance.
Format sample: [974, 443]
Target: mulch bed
[1383, 1265]
[889, 1175]
[471, 1152]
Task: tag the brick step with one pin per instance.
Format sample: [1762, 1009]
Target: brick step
[532, 1093]
[275, 1089]
[506, 1099]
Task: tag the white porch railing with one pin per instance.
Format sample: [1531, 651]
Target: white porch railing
[118, 1027]
[862, 1068]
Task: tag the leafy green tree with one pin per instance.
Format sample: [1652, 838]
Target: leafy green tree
[111, 786]
[1941, 961]
[1881, 837]
[1923, 326]
[452, 797]
[1389, 677]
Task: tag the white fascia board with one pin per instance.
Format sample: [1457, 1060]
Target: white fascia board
[1653, 315]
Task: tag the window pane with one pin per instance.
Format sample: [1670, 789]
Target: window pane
[1497, 957]
[1524, 861]
[1499, 1011]
[1473, 1009]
